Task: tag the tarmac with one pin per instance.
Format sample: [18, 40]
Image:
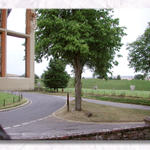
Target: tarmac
[50, 126]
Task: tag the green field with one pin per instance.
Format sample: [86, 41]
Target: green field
[8, 100]
[142, 85]
[111, 90]
[107, 92]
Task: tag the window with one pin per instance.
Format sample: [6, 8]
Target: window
[10, 29]
[16, 20]
[15, 62]
[15, 53]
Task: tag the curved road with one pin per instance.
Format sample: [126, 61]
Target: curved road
[41, 105]
[33, 121]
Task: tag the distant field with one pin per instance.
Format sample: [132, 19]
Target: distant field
[142, 85]
[110, 90]
[122, 93]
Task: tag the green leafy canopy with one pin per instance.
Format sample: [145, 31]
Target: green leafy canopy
[92, 35]
[139, 52]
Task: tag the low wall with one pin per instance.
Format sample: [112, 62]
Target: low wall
[138, 133]
[16, 83]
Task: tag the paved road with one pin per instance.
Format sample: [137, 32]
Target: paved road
[34, 121]
[40, 106]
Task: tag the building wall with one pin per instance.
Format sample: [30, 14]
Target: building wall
[22, 83]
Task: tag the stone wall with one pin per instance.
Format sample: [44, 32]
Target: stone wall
[138, 133]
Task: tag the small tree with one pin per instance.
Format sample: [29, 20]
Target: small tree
[118, 77]
[139, 77]
[55, 76]
[36, 78]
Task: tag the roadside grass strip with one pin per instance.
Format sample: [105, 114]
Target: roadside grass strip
[128, 100]
[8, 100]
[102, 113]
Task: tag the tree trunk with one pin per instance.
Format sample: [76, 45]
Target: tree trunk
[78, 71]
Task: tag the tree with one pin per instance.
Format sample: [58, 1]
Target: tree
[139, 53]
[55, 76]
[118, 77]
[36, 78]
[139, 77]
[81, 37]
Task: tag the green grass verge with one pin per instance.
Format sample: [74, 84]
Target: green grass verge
[8, 100]
[102, 113]
[13, 105]
[121, 96]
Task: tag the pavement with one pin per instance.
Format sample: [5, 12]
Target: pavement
[35, 120]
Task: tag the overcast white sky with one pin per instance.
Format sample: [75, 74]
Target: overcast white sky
[135, 19]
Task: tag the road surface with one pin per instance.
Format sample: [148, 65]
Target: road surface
[41, 105]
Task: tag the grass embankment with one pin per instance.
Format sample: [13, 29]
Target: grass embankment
[142, 85]
[102, 113]
[8, 100]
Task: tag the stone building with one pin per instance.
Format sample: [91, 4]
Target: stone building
[17, 82]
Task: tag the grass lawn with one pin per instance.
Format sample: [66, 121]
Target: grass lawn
[102, 113]
[8, 100]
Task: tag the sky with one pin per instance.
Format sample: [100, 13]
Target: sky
[15, 49]
[134, 19]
